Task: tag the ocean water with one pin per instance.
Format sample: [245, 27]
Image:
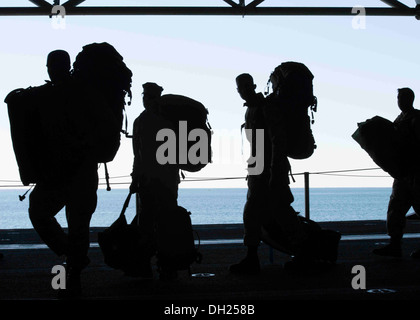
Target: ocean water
[216, 206]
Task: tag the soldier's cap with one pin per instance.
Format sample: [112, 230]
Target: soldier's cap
[152, 88]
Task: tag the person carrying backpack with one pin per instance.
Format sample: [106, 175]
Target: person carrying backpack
[269, 194]
[60, 132]
[268, 213]
[155, 176]
[156, 185]
[145, 129]
[68, 176]
[406, 186]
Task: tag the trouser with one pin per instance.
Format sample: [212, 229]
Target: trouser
[264, 203]
[405, 194]
[154, 202]
[78, 195]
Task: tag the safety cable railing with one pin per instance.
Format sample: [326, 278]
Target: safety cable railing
[335, 173]
[306, 175]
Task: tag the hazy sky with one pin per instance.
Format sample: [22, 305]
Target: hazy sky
[357, 74]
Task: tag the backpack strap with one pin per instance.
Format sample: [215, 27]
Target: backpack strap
[314, 108]
[126, 203]
[242, 138]
[125, 131]
[291, 175]
[108, 187]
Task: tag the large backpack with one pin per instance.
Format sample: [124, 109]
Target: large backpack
[379, 138]
[94, 98]
[295, 96]
[105, 81]
[25, 128]
[176, 108]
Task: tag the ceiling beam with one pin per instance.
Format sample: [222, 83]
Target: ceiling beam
[254, 3]
[395, 4]
[41, 3]
[72, 3]
[232, 3]
[209, 11]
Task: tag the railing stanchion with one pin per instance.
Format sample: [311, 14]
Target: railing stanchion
[307, 214]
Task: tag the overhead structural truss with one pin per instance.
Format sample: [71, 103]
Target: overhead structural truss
[226, 8]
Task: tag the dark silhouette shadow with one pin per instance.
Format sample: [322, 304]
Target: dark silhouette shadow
[268, 214]
[61, 131]
[400, 156]
[155, 180]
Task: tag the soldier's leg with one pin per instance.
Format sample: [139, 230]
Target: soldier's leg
[81, 204]
[286, 217]
[416, 206]
[398, 206]
[45, 201]
[255, 210]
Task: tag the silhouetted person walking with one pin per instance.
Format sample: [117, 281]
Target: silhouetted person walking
[155, 184]
[61, 131]
[269, 195]
[68, 176]
[405, 190]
